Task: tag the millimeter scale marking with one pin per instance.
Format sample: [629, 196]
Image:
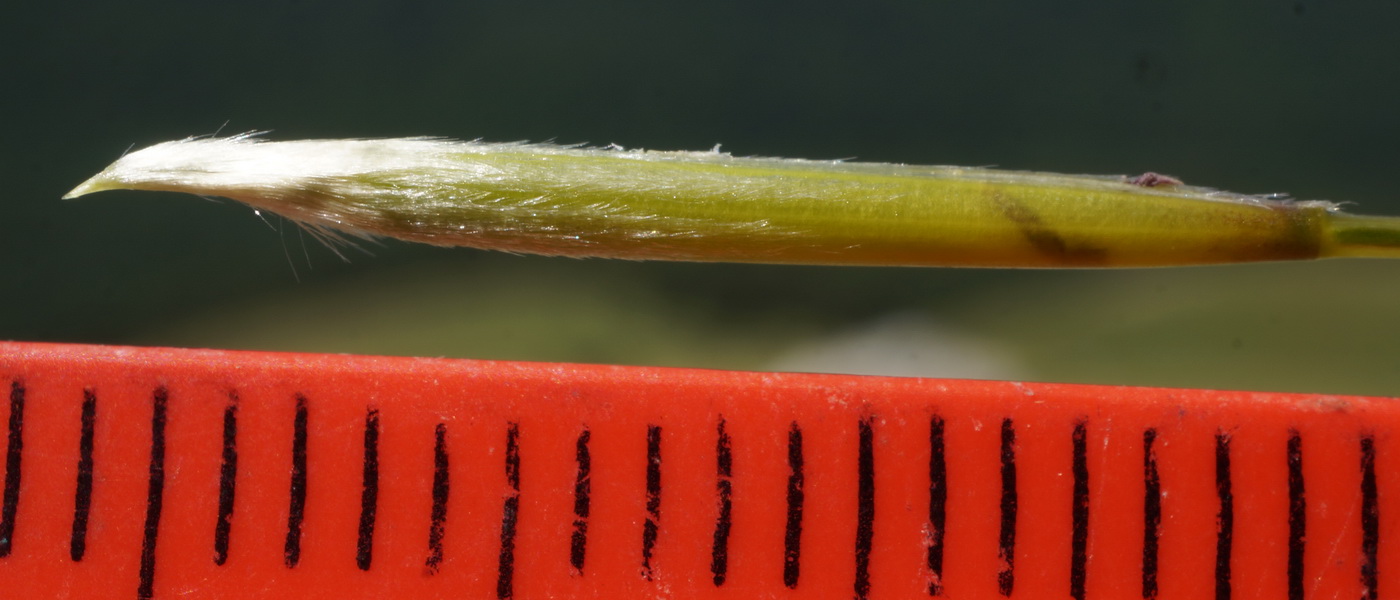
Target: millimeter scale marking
[158, 473]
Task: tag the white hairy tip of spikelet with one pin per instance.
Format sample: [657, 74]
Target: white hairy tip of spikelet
[243, 165]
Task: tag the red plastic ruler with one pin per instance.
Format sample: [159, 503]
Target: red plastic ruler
[156, 473]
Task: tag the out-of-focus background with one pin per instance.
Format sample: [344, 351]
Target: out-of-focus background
[1297, 96]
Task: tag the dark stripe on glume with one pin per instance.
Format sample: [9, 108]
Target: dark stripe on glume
[792, 536]
[155, 493]
[651, 527]
[82, 494]
[505, 565]
[583, 489]
[1043, 237]
[441, 489]
[724, 489]
[1297, 516]
[937, 503]
[296, 510]
[1151, 514]
[1225, 520]
[865, 507]
[228, 479]
[13, 449]
[1079, 512]
[1006, 541]
[369, 492]
[1370, 521]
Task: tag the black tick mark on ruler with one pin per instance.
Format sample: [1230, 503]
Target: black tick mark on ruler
[1006, 547]
[155, 491]
[1225, 520]
[369, 492]
[724, 489]
[505, 567]
[1079, 512]
[1151, 514]
[228, 478]
[82, 493]
[865, 507]
[792, 538]
[1297, 516]
[937, 503]
[652, 525]
[13, 449]
[1370, 521]
[441, 490]
[583, 486]
[296, 510]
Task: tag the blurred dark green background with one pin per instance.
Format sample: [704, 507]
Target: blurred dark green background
[1253, 96]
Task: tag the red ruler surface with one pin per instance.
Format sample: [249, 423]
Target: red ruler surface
[157, 473]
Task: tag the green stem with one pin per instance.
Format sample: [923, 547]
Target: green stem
[1362, 236]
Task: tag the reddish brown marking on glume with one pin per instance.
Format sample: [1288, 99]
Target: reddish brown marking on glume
[1150, 179]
